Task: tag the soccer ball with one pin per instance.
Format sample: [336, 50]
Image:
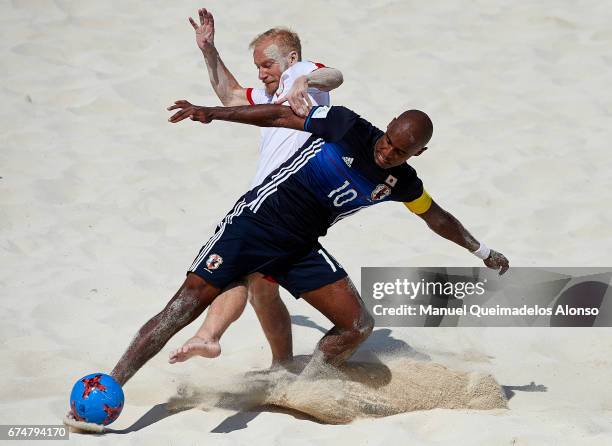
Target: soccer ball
[96, 398]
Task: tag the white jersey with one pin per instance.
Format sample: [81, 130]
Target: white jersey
[278, 144]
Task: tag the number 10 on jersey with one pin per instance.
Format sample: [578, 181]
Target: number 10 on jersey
[342, 195]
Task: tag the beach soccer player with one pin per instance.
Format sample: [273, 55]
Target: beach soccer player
[346, 165]
[277, 54]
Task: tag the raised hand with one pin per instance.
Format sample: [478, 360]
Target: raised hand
[188, 110]
[205, 31]
[298, 98]
[497, 261]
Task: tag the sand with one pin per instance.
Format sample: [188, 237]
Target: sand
[366, 390]
[103, 204]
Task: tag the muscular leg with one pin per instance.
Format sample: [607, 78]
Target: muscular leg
[188, 303]
[341, 304]
[226, 309]
[273, 317]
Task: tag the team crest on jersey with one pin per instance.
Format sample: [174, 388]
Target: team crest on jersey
[347, 160]
[381, 191]
[214, 261]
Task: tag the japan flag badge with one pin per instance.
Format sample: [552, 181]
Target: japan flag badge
[391, 180]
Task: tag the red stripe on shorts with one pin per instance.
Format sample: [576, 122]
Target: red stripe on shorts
[270, 279]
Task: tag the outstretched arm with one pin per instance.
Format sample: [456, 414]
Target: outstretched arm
[222, 80]
[267, 115]
[446, 225]
[324, 79]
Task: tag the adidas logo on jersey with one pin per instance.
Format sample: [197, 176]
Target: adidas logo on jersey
[347, 160]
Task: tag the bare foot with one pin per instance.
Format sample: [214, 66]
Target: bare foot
[195, 346]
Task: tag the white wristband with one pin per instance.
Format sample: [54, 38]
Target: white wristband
[483, 252]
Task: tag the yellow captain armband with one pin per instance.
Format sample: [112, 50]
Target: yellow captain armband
[420, 205]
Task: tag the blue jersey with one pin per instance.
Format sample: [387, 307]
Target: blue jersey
[332, 176]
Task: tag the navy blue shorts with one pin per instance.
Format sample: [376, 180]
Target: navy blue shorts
[244, 244]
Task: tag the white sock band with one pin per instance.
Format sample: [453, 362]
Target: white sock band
[483, 252]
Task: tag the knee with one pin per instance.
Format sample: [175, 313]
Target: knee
[367, 324]
[363, 326]
[196, 287]
[261, 300]
[191, 299]
[263, 295]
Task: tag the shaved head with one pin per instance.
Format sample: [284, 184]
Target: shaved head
[414, 129]
[406, 136]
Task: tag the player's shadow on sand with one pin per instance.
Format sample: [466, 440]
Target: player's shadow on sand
[153, 415]
[241, 419]
[531, 387]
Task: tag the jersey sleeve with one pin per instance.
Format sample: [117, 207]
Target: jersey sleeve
[257, 96]
[317, 96]
[419, 205]
[330, 123]
[303, 68]
[409, 190]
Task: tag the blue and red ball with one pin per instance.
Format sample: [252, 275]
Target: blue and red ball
[96, 398]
